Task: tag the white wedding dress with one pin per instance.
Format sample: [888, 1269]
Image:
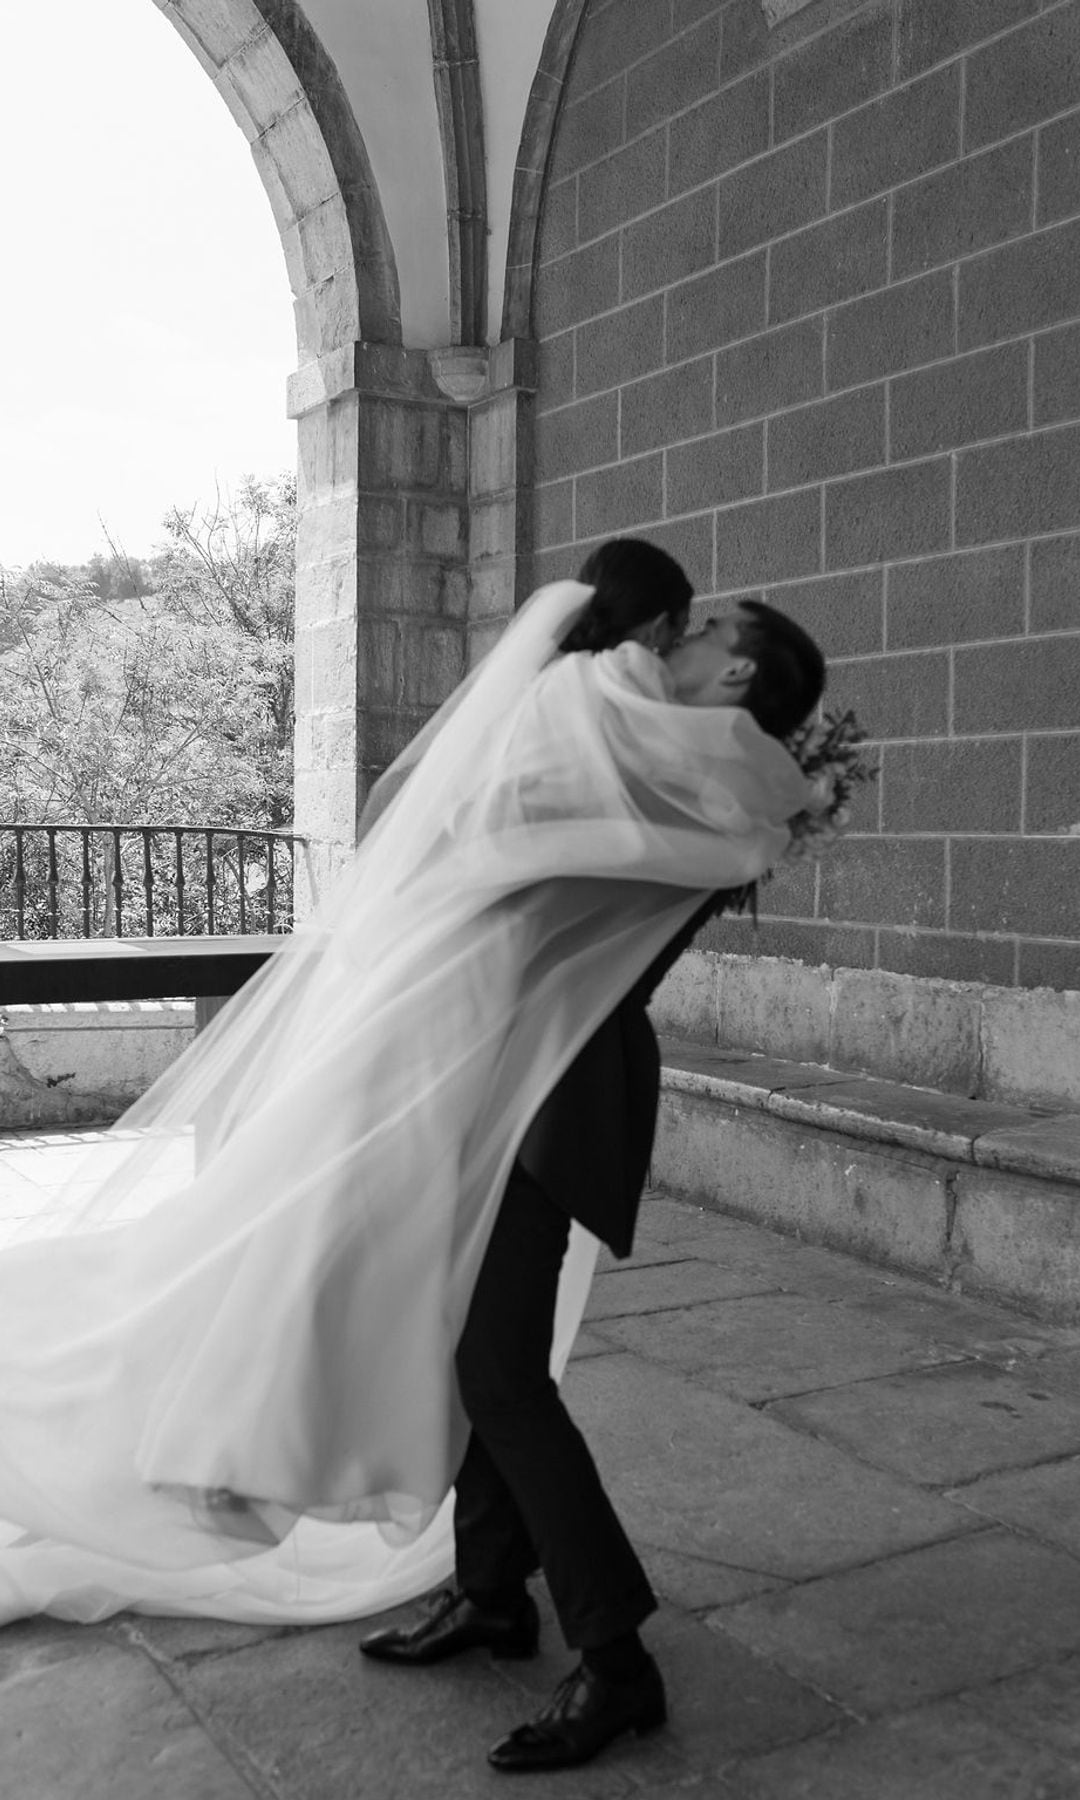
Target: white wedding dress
[227, 1386]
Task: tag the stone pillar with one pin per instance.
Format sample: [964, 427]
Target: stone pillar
[413, 550]
[382, 576]
[500, 492]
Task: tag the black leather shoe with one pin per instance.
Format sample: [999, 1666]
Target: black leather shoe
[583, 1715]
[453, 1623]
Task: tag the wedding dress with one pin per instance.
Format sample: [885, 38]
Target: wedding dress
[227, 1384]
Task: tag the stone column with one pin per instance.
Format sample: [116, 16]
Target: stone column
[413, 550]
[499, 386]
[382, 575]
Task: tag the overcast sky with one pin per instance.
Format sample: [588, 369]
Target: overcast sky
[145, 318]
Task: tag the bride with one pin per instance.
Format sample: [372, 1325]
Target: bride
[227, 1383]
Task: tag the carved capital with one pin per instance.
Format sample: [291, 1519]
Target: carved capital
[460, 371]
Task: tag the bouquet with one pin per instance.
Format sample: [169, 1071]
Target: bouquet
[829, 753]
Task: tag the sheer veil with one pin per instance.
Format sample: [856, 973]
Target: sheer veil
[226, 1381]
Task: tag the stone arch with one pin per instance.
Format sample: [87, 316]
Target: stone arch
[285, 94]
[537, 136]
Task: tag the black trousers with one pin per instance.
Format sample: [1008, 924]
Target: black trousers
[528, 1492]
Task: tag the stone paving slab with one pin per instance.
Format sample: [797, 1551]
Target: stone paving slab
[920, 1626]
[696, 1471]
[31, 1645]
[19, 1198]
[726, 1700]
[768, 1345]
[1044, 1501]
[1055, 1371]
[667, 1284]
[588, 1344]
[187, 1639]
[102, 1723]
[664, 1221]
[981, 1329]
[1042, 1706]
[647, 1253]
[758, 1260]
[939, 1752]
[696, 1583]
[943, 1426]
[765, 1260]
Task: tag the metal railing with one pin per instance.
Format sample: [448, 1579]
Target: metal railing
[87, 881]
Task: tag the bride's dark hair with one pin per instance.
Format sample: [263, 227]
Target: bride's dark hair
[635, 581]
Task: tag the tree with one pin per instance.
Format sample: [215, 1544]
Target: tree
[233, 571]
[116, 576]
[152, 694]
[173, 705]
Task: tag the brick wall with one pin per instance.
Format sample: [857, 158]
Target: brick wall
[809, 316]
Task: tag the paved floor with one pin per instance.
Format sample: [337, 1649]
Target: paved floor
[858, 1497]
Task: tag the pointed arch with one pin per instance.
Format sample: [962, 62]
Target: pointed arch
[456, 70]
[537, 136]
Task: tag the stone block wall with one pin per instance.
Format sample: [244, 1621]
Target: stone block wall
[808, 315]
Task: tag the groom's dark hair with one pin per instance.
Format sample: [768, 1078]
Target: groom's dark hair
[635, 581]
[789, 674]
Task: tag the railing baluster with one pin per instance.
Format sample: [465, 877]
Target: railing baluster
[243, 894]
[20, 885]
[210, 883]
[271, 883]
[148, 881]
[179, 836]
[52, 882]
[86, 881]
[118, 884]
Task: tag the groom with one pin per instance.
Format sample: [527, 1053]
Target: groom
[528, 1495]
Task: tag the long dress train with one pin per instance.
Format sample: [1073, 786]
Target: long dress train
[227, 1385]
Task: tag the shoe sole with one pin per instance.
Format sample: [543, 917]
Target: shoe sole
[498, 1653]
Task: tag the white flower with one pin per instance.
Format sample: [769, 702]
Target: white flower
[822, 792]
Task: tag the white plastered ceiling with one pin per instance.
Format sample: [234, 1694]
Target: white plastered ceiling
[382, 50]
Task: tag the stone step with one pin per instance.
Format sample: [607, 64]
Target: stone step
[980, 1196]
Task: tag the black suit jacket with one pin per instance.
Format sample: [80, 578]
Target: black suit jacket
[589, 1145]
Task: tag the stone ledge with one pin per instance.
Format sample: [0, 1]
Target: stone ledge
[1006, 1046]
[83, 1015]
[1009, 1138]
[974, 1195]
